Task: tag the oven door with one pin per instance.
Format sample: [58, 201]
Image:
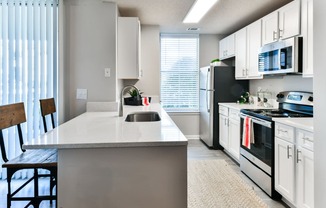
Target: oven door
[262, 148]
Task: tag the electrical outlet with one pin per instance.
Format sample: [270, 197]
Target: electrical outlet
[107, 72]
[81, 94]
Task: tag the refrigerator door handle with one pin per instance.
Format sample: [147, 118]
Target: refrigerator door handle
[207, 90]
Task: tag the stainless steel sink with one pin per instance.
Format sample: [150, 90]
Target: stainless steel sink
[147, 116]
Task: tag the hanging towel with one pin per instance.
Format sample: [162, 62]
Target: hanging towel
[248, 133]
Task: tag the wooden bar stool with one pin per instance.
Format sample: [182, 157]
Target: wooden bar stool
[47, 108]
[14, 115]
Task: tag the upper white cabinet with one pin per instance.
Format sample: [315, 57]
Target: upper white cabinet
[128, 64]
[282, 23]
[307, 34]
[247, 45]
[227, 47]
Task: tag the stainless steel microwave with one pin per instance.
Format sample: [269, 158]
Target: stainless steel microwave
[281, 57]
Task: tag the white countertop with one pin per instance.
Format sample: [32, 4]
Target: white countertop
[106, 129]
[238, 106]
[302, 123]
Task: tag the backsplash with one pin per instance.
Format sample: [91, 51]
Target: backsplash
[276, 84]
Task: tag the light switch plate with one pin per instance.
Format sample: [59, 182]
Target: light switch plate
[107, 72]
[81, 94]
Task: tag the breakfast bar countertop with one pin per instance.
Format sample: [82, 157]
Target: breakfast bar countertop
[107, 129]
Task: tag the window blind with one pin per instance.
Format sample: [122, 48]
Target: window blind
[28, 61]
[179, 72]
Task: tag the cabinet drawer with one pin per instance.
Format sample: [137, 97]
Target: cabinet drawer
[224, 110]
[305, 139]
[284, 132]
[234, 114]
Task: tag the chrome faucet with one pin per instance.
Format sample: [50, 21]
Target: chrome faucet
[121, 98]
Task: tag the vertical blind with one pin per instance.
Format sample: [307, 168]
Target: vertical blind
[179, 72]
[28, 61]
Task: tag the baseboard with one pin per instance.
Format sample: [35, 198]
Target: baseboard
[192, 137]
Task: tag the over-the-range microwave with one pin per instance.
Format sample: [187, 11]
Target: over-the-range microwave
[282, 57]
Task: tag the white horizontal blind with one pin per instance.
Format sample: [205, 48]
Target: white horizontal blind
[28, 61]
[179, 72]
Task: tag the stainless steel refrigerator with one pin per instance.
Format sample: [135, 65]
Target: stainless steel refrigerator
[217, 84]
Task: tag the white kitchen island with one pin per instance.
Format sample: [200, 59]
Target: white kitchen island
[104, 161]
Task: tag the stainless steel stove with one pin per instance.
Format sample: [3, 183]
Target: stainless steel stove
[257, 162]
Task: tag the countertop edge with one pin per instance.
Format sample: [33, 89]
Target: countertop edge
[108, 145]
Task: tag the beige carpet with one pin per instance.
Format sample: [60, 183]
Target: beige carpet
[213, 184]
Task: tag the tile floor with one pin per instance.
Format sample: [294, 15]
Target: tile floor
[196, 150]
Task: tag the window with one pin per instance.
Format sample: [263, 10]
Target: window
[179, 72]
[28, 62]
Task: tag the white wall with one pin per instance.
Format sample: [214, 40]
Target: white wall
[208, 48]
[319, 102]
[90, 46]
[277, 84]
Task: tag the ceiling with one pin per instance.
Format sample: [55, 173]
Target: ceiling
[226, 17]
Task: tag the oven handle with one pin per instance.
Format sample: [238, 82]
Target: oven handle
[257, 120]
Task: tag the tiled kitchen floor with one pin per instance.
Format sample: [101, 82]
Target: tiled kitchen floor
[196, 150]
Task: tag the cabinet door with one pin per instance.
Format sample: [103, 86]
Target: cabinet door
[253, 47]
[270, 28]
[234, 138]
[241, 53]
[222, 45]
[289, 20]
[307, 34]
[230, 45]
[284, 169]
[224, 132]
[305, 179]
[128, 64]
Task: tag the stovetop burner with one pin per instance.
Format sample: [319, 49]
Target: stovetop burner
[268, 114]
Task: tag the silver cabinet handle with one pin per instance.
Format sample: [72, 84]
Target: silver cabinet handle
[298, 159]
[288, 151]
[307, 139]
[281, 130]
[280, 32]
[274, 35]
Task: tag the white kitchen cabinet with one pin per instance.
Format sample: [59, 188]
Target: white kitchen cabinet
[270, 28]
[282, 23]
[307, 34]
[128, 48]
[248, 43]
[284, 169]
[227, 47]
[305, 167]
[234, 134]
[229, 131]
[294, 165]
[224, 131]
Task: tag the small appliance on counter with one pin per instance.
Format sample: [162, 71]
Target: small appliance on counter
[257, 161]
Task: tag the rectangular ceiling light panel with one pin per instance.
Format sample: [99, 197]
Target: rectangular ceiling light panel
[198, 10]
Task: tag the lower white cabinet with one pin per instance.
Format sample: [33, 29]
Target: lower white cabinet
[229, 131]
[224, 131]
[294, 165]
[284, 169]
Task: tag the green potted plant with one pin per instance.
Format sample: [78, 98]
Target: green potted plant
[134, 99]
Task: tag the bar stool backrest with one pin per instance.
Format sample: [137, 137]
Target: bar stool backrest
[47, 108]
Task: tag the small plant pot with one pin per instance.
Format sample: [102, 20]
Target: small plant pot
[133, 100]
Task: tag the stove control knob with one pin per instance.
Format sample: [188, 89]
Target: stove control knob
[280, 95]
[311, 98]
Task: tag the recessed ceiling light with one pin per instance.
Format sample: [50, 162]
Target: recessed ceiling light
[198, 10]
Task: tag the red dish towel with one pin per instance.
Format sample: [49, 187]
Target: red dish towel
[145, 101]
[248, 133]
